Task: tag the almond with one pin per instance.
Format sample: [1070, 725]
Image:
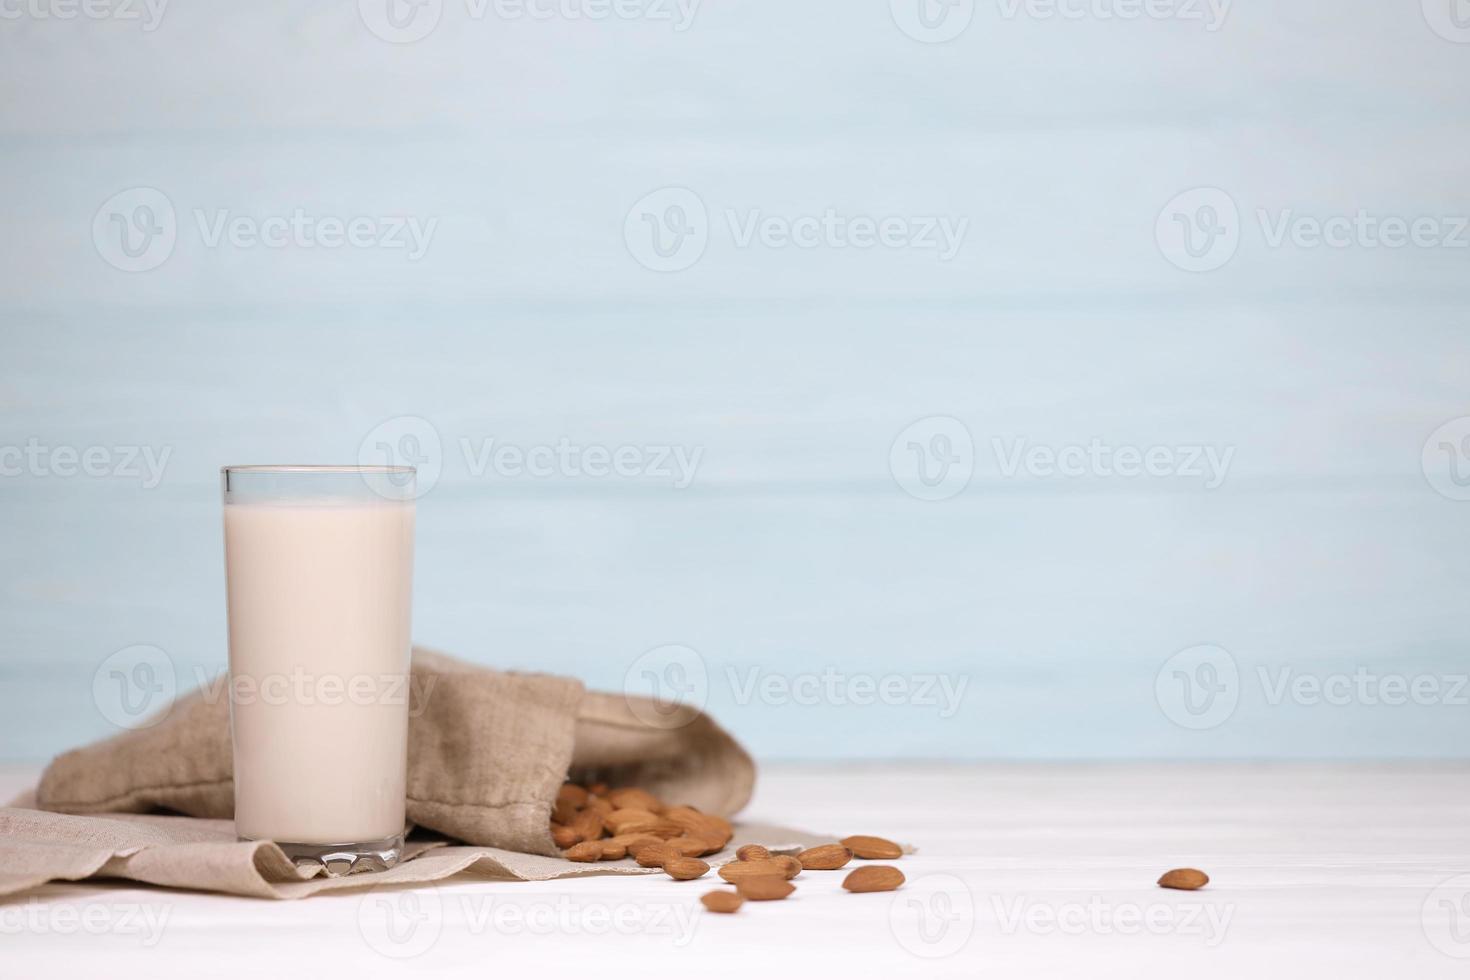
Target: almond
[612, 850]
[698, 824]
[587, 851]
[824, 857]
[587, 824]
[685, 869]
[1186, 879]
[631, 798]
[873, 878]
[564, 812]
[573, 794]
[682, 811]
[872, 848]
[652, 855]
[738, 871]
[721, 901]
[628, 821]
[690, 846]
[764, 888]
[564, 837]
[598, 789]
[710, 846]
[752, 852]
[630, 841]
[599, 806]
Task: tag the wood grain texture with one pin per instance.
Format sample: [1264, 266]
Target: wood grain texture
[1023, 871]
[791, 371]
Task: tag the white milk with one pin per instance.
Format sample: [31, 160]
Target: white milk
[319, 599]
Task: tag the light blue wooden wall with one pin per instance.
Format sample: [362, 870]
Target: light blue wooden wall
[529, 320]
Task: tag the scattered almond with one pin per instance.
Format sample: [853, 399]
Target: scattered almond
[1186, 879]
[696, 824]
[594, 823]
[721, 901]
[652, 855]
[641, 843]
[685, 868]
[873, 878]
[587, 851]
[689, 846]
[872, 848]
[824, 857]
[764, 888]
[629, 840]
[737, 871]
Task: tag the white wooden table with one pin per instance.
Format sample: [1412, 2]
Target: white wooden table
[1024, 870]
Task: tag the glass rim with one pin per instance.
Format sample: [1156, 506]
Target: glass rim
[328, 468]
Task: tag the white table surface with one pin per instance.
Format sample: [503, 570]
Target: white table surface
[1023, 870]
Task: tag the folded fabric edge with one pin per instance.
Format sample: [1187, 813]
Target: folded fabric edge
[271, 873]
[137, 800]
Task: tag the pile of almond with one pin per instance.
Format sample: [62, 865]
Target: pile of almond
[596, 823]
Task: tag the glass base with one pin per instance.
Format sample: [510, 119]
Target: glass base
[340, 860]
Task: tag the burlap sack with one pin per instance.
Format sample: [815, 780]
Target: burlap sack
[487, 752]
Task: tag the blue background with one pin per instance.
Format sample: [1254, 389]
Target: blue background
[530, 319]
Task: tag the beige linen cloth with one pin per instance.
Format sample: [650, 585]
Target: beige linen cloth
[487, 752]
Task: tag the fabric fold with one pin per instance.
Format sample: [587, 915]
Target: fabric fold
[487, 751]
[203, 855]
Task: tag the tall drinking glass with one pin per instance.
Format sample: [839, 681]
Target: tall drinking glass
[319, 573]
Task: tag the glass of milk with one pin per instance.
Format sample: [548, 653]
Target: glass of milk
[319, 575]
